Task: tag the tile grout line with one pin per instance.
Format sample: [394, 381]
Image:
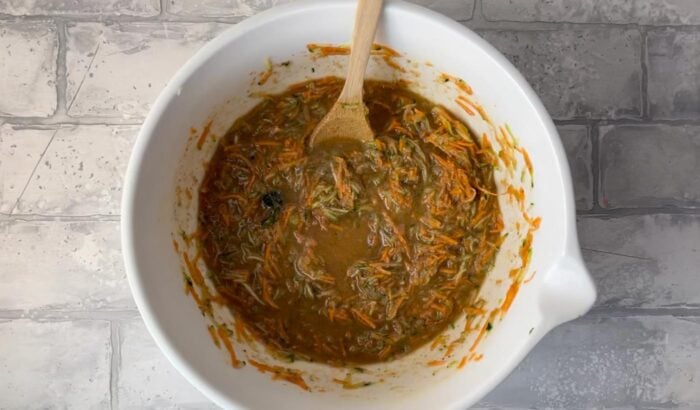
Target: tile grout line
[118, 317]
[599, 212]
[51, 122]
[162, 17]
[59, 218]
[48, 315]
[626, 312]
[593, 132]
[595, 212]
[115, 363]
[626, 121]
[61, 70]
[477, 18]
[645, 75]
[567, 25]
[477, 14]
[65, 120]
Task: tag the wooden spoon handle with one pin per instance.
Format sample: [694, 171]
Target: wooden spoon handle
[366, 19]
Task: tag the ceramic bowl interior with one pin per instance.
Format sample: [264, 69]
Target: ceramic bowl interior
[220, 83]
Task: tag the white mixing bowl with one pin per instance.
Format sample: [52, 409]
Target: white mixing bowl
[216, 85]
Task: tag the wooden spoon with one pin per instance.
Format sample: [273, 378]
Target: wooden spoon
[347, 119]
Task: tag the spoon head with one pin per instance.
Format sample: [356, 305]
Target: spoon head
[344, 121]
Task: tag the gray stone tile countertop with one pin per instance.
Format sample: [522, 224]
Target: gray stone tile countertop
[621, 78]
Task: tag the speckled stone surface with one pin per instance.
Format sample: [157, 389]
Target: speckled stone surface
[620, 77]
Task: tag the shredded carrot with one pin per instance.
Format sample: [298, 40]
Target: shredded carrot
[386, 53]
[212, 333]
[195, 296]
[341, 314]
[532, 276]
[195, 273]
[485, 191]
[434, 363]
[449, 240]
[223, 335]
[525, 249]
[240, 331]
[218, 299]
[517, 194]
[506, 140]
[469, 103]
[462, 362]
[472, 310]
[391, 63]
[437, 341]
[349, 385]
[385, 50]
[464, 106]
[363, 318]
[461, 84]
[204, 134]
[481, 334]
[326, 50]
[483, 113]
[483, 330]
[510, 296]
[265, 75]
[281, 373]
[528, 162]
[485, 143]
[266, 294]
